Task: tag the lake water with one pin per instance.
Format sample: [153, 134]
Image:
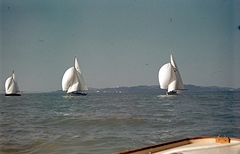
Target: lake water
[108, 123]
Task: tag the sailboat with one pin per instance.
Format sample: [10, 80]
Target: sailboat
[73, 81]
[170, 78]
[11, 86]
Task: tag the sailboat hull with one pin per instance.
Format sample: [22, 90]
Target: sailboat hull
[172, 93]
[77, 93]
[12, 94]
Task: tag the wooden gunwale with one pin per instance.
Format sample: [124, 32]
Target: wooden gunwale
[169, 145]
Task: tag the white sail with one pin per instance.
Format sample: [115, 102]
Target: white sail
[169, 76]
[164, 75]
[80, 77]
[11, 86]
[179, 84]
[67, 79]
[72, 80]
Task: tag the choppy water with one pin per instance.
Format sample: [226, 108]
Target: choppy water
[109, 123]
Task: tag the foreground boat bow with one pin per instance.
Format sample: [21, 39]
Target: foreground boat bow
[197, 145]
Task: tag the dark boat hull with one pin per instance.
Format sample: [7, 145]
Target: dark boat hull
[12, 94]
[78, 94]
[172, 93]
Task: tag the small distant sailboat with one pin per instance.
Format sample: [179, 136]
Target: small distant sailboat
[169, 77]
[73, 81]
[11, 86]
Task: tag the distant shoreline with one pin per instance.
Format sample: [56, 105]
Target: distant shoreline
[141, 88]
[155, 88]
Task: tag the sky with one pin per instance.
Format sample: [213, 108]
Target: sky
[119, 42]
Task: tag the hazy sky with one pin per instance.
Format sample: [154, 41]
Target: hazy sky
[119, 42]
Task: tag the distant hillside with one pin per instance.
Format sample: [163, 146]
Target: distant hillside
[210, 88]
[155, 88]
[141, 88]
